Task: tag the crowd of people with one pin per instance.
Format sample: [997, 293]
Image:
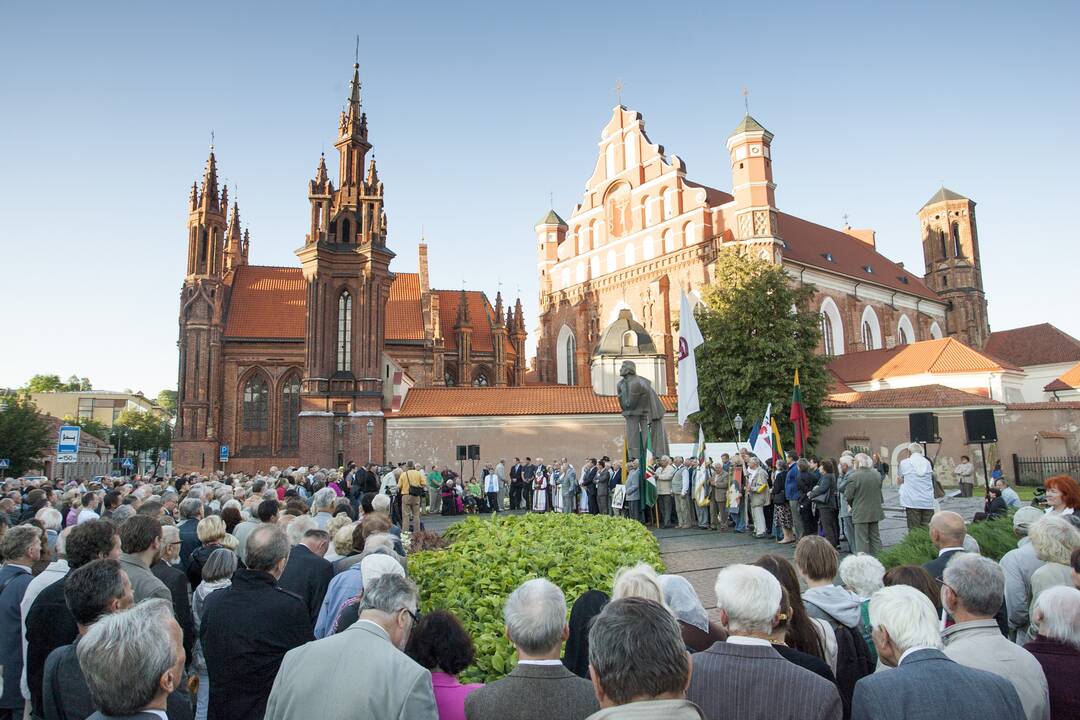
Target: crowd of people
[287, 596]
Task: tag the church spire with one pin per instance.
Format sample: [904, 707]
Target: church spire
[234, 244]
[498, 309]
[463, 319]
[209, 198]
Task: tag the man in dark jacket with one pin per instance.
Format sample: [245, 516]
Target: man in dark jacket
[191, 512]
[248, 627]
[528, 474]
[176, 581]
[516, 484]
[49, 622]
[21, 548]
[307, 574]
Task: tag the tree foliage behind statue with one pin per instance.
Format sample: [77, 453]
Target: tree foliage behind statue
[753, 343]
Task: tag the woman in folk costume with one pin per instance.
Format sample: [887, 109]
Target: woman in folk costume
[735, 496]
[541, 489]
[556, 482]
[700, 491]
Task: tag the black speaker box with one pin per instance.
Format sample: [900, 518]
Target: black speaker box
[474, 452]
[980, 426]
[923, 427]
[462, 452]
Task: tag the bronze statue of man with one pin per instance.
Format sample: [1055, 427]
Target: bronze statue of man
[643, 411]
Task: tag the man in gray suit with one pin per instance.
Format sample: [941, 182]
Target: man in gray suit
[745, 677]
[132, 660]
[568, 487]
[361, 671]
[926, 685]
[539, 687]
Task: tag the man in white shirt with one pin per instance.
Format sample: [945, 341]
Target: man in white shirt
[916, 479]
[1009, 495]
[491, 490]
[89, 508]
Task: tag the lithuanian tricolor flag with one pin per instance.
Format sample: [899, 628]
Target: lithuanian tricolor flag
[798, 417]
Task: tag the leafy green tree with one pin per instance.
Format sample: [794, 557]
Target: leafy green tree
[90, 426]
[754, 341]
[144, 432]
[25, 434]
[53, 383]
[44, 383]
[167, 400]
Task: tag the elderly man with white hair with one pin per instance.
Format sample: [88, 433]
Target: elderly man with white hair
[926, 684]
[745, 676]
[539, 687]
[862, 490]
[1057, 647]
[916, 479]
[972, 593]
[322, 507]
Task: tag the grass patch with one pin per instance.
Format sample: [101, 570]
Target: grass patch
[995, 538]
[488, 559]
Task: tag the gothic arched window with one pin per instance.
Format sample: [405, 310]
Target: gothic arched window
[256, 410]
[867, 336]
[480, 379]
[450, 376]
[344, 332]
[630, 149]
[944, 249]
[569, 351]
[290, 414]
[827, 335]
[345, 230]
[957, 251]
[871, 330]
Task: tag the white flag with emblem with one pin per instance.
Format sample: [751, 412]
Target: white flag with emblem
[689, 339]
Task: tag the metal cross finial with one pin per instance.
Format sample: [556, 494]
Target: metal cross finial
[746, 100]
[211, 141]
[551, 199]
[357, 56]
[500, 284]
[618, 90]
[846, 223]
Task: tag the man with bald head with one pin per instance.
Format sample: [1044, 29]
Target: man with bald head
[947, 532]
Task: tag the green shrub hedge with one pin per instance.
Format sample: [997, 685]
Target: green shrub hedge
[995, 538]
[487, 559]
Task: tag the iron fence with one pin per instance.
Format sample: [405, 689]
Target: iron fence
[1034, 470]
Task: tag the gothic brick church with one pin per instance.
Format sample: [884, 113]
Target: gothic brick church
[292, 365]
[644, 231]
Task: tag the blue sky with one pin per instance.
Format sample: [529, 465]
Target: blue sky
[477, 111]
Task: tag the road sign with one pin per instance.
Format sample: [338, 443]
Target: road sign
[67, 444]
[223, 454]
[127, 464]
[4, 463]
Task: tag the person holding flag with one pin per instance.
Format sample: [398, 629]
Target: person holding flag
[798, 417]
[689, 339]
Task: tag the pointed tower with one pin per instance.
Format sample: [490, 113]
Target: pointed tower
[517, 339]
[206, 226]
[463, 335]
[202, 303]
[234, 242]
[550, 233]
[499, 338]
[346, 266]
[953, 264]
[756, 227]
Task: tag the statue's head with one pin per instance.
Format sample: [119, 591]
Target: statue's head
[628, 368]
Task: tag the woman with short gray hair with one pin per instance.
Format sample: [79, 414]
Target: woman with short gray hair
[132, 659]
[217, 574]
[1057, 647]
[639, 580]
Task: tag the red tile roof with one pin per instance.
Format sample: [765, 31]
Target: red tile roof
[481, 316]
[528, 400]
[812, 244]
[404, 316]
[1063, 405]
[1041, 344]
[1070, 380]
[271, 303]
[923, 396]
[267, 302]
[944, 356]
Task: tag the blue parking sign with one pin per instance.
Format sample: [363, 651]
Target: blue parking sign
[223, 454]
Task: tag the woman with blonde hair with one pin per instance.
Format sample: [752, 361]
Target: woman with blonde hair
[1054, 539]
[211, 532]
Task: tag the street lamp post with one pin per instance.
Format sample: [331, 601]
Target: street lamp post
[370, 432]
[738, 428]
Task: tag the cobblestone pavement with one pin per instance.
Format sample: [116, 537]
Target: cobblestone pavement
[698, 555]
